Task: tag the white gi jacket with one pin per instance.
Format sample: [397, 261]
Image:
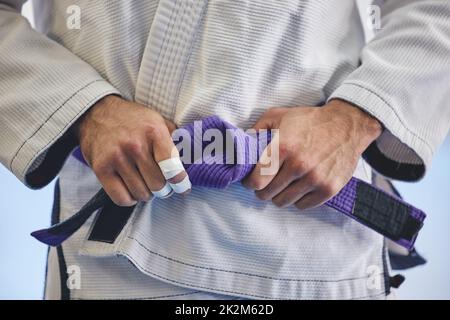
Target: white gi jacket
[234, 58]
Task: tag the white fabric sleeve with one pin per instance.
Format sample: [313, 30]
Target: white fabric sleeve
[404, 81]
[44, 89]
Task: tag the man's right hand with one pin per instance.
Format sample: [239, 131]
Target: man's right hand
[123, 142]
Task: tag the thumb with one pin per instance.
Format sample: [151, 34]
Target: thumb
[170, 125]
[270, 119]
[264, 123]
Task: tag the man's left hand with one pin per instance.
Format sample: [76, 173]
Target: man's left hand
[319, 148]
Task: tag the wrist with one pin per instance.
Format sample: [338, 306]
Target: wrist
[78, 127]
[367, 127]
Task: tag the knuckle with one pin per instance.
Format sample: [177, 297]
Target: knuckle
[117, 160]
[121, 199]
[134, 147]
[114, 155]
[299, 167]
[329, 189]
[284, 149]
[278, 202]
[138, 192]
[101, 168]
[272, 111]
[314, 178]
[269, 112]
[143, 196]
[156, 182]
[154, 131]
[262, 195]
[122, 202]
[253, 183]
[257, 184]
[298, 205]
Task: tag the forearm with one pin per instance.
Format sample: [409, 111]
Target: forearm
[44, 89]
[403, 82]
[356, 121]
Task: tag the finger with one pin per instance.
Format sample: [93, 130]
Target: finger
[165, 192]
[116, 190]
[264, 123]
[173, 170]
[183, 187]
[326, 186]
[312, 200]
[166, 155]
[270, 118]
[267, 167]
[281, 181]
[132, 178]
[258, 180]
[153, 178]
[180, 183]
[162, 144]
[293, 193]
[150, 171]
[170, 125]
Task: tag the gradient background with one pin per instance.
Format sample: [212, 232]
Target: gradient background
[22, 259]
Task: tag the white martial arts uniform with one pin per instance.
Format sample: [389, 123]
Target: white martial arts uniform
[234, 58]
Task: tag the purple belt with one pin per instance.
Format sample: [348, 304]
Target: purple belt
[384, 213]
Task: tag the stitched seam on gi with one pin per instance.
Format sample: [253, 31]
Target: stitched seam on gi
[64, 128]
[393, 110]
[244, 273]
[155, 76]
[148, 298]
[191, 49]
[386, 275]
[215, 289]
[173, 56]
[65, 292]
[370, 296]
[50, 116]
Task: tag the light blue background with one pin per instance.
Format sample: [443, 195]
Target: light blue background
[22, 264]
